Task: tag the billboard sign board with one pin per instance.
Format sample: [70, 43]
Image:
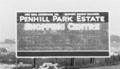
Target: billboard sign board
[62, 34]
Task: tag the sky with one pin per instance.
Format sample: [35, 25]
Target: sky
[9, 8]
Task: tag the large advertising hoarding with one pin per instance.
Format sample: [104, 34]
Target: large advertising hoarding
[62, 34]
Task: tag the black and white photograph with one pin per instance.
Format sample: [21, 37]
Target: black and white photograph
[68, 33]
[59, 34]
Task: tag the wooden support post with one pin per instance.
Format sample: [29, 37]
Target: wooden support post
[72, 61]
[34, 62]
[55, 60]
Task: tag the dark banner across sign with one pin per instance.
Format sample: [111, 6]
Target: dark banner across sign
[47, 17]
[62, 34]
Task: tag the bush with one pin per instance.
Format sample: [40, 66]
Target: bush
[115, 58]
[25, 60]
[88, 65]
[72, 67]
[25, 68]
[102, 64]
[119, 57]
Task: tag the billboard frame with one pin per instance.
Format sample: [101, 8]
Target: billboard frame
[100, 51]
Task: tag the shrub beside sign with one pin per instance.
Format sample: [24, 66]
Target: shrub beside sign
[62, 34]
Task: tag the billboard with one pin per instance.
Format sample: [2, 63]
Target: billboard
[62, 34]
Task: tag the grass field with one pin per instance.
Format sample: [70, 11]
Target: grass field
[105, 67]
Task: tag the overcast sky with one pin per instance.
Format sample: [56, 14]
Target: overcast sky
[8, 9]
